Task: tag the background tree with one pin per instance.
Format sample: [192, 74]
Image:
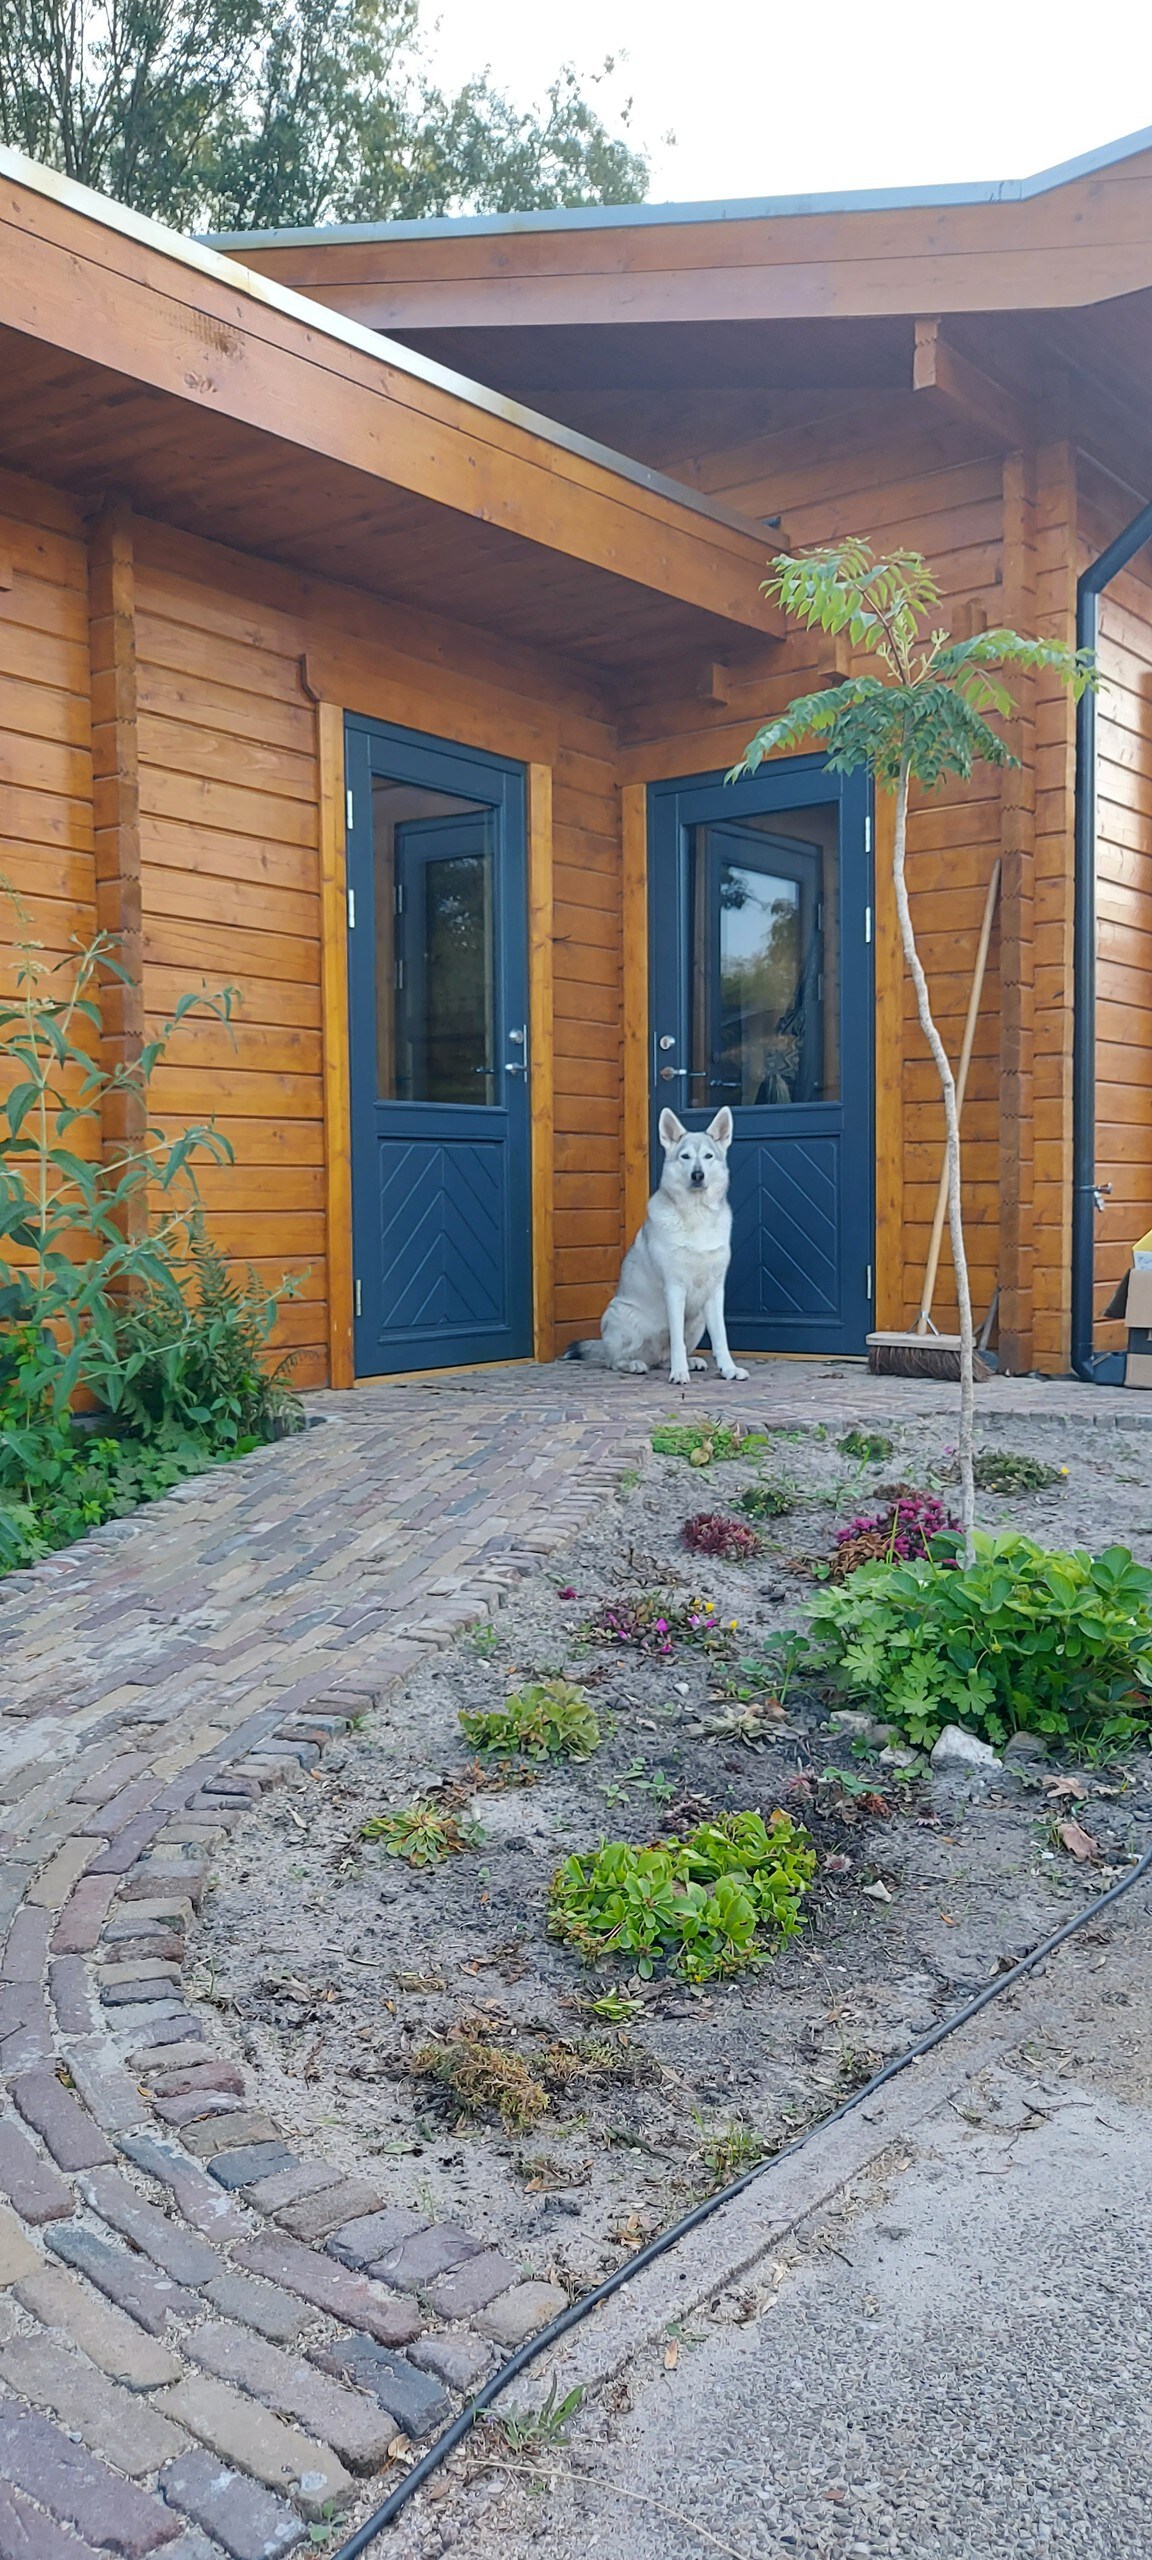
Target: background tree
[252, 114]
[922, 717]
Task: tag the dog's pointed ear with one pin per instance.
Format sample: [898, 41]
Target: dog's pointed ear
[671, 1129]
[720, 1129]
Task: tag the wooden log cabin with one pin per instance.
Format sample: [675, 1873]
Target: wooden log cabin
[379, 613]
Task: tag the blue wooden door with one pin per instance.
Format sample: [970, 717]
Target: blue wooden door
[761, 942]
[438, 1020]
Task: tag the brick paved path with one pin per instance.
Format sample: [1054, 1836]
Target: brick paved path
[204, 2337]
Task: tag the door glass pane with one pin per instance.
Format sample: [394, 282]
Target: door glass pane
[435, 945]
[765, 961]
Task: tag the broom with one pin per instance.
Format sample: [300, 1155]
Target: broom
[924, 1353]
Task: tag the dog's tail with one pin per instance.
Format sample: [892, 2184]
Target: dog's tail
[592, 1352]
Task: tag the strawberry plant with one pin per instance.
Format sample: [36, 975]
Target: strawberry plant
[702, 1906]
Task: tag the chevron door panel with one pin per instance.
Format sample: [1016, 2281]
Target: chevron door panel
[442, 1234]
[786, 1257]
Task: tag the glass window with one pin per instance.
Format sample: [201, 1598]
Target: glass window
[765, 961]
[435, 946]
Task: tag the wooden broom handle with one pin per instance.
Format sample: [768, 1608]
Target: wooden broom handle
[933, 1262]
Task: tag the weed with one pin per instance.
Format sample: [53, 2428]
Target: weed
[617, 2006]
[712, 1533]
[421, 1834]
[870, 1447]
[766, 1501]
[728, 2150]
[549, 1720]
[1020, 1641]
[657, 1621]
[484, 1640]
[1011, 1471]
[704, 1443]
[909, 1527]
[699, 1905]
[755, 1723]
[483, 2080]
[535, 2430]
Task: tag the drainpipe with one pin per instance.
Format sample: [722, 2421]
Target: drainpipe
[1100, 1368]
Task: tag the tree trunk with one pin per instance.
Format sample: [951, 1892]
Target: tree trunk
[952, 1144]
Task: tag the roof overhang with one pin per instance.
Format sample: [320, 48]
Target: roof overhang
[238, 409]
[1073, 235]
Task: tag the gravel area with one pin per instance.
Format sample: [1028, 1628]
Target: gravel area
[334, 1964]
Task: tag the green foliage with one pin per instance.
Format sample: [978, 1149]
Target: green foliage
[701, 1905]
[1012, 1471]
[198, 1363]
[548, 1720]
[1019, 1641]
[536, 2430]
[102, 1247]
[928, 713]
[728, 2150]
[767, 1501]
[703, 1442]
[871, 1448]
[242, 114]
[421, 1834]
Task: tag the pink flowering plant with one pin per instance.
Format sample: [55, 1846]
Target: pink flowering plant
[656, 1622]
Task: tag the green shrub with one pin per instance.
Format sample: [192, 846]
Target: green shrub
[1011, 1471]
[701, 1905]
[869, 1447]
[548, 1720]
[1020, 1641]
[767, 1501]
[702, 1442]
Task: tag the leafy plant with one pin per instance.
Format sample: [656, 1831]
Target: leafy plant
[1011, 1471]
[484, 2080]
[870, 1447]
[656, 1622]
[910, 1526]
[712, 1533]
[421, 1834]
[767, 1501]
[1019, 1641]
[704, 1443]
[535, 2430]
[197, 1362]
[548, 1720]
[727, 2150]
[922, 714]
[701, 1905]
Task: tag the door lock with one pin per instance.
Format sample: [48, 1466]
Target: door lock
[517, 1040]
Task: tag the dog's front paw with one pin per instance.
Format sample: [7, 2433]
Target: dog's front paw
[697, 1364]
[733, 1374]
[679, 1377]
[633, 1368]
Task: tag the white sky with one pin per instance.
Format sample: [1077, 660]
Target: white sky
[831, 94]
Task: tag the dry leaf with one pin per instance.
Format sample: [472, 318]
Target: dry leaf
[1054, 1787]
[877, 1892]
[671, 2356]
[1077, 1841]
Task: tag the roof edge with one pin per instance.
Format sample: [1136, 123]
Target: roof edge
[205, 260]
[735, 209]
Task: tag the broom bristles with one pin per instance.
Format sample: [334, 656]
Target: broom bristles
[926, 1357]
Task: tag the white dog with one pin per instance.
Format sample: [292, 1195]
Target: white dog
[672, 1285]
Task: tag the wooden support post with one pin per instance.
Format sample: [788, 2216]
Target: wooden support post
[634, 929]
[541, 1052]
[334, 1014]
[116, 816]
[889, 996]
[1017, 940]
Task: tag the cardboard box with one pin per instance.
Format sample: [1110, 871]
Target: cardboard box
[1132, 1303]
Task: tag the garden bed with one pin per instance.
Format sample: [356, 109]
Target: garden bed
[345, 1974]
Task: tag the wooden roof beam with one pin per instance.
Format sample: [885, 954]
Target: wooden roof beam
[951, 382]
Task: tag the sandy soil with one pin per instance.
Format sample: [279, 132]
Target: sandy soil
[333, 1963]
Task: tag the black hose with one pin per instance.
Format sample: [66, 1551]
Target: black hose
[569, 2318]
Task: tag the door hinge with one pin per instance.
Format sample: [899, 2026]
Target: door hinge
[867, 1284]
[351, 911]
[867, 924]
[349, 809]
[356, 1300]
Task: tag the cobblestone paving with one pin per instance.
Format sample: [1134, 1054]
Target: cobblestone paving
[207, 2341]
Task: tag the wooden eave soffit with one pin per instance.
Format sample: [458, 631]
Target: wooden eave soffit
[942, 376]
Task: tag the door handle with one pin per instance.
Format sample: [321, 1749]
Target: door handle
[518, 1040]
[668, 1074]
